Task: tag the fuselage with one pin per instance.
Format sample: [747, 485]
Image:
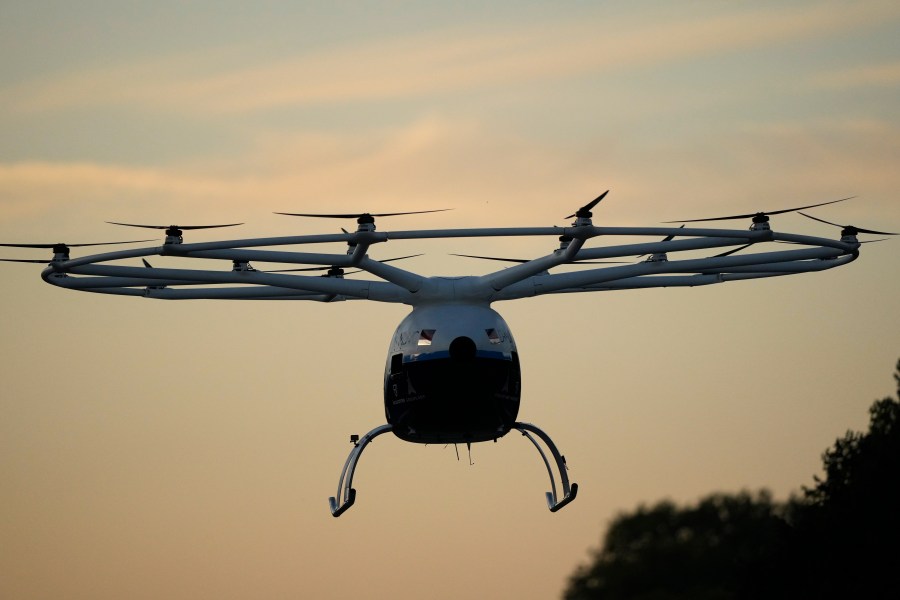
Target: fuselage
[452, 375]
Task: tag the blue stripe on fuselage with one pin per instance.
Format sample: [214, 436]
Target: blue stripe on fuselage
[496, 355]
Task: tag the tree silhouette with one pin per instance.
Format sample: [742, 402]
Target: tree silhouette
[840, 539]
[847, 527]
[721, 548]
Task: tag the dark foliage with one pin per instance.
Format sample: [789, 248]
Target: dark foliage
[714, 550]
[848, 525]
[841, 539]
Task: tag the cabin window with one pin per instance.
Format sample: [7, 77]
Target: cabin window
[425, 337]
[493, 336]
[396, 364]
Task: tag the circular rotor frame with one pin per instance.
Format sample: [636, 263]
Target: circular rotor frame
[106, 273]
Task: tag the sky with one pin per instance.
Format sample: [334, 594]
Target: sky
[187, 449]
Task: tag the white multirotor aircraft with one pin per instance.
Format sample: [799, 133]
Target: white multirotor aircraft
[452, 373]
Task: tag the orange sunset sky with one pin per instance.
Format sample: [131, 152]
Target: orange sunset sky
[186, 450]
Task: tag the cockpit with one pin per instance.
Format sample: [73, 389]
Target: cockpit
[452, 376]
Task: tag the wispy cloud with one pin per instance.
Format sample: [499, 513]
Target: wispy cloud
[433, 160]
[883, 75]
[433, 62]
[438, 162]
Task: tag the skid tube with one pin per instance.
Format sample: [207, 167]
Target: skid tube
[347, 494]
[569, 491]
[348, 497]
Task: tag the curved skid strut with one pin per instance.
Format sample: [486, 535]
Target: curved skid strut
[569, 492]
[346, 481]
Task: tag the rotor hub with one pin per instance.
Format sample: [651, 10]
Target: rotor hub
[848, 235]
[365, 222]
[581, 220]
[174, 235]
[760, 222]
[241, 266]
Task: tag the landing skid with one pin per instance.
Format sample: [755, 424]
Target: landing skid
[569, 492]
[346, 480]
[347, 493]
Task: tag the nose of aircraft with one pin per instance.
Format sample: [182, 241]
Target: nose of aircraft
[462, 349]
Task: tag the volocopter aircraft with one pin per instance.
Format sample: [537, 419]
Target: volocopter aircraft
[452, 373]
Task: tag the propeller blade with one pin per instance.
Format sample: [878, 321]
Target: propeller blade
[820, 220]
[401, 258]
[22, 260]
[298, 270]
[497, 258]
[758, 214]
[327, 268]
[182, 227]
[309, 269]
[853, 227]
[359, 215]
[525, 260]
[70, 245]
[668, 238]
[732, 251]
[873, 231]
[587, 207]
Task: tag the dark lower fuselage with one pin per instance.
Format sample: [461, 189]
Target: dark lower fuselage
[452, 376]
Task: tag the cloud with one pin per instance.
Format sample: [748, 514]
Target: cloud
[429, 63]
[35, 189]
[90, 178]
[431, 161]
[883, 75]
[438, 162]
